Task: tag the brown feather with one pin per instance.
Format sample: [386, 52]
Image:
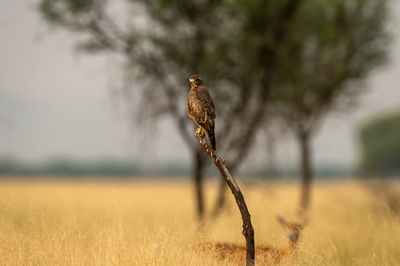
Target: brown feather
[201, 108]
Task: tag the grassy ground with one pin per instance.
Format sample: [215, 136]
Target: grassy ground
[152, 223]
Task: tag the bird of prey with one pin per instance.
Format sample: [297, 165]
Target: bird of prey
[200, 108]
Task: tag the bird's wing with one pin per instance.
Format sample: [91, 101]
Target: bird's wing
[208, 107]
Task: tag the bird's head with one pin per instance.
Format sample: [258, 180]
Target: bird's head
[196, 80]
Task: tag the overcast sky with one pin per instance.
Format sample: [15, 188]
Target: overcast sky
[55, 102]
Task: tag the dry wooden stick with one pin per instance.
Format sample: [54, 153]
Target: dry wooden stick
[248, 230]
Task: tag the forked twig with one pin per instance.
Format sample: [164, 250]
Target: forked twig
[248, 230]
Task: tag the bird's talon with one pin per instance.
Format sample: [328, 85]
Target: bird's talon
[198, 132]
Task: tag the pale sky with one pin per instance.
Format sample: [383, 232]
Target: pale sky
[55, 102]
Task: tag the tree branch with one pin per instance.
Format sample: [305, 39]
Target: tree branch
[248, 230]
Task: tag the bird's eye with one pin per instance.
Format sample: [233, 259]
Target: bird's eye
[197, 80]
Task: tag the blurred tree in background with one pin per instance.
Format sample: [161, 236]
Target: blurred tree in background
[380, 146]
[296, 59]
[331, 49]
[161, 44]
[263, 28]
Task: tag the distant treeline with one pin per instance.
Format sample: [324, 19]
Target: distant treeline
[114, 168]
[103, 167]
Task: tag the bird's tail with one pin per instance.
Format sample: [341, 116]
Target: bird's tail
[211, 138]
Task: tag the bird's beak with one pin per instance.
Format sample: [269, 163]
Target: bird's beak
[191, 80]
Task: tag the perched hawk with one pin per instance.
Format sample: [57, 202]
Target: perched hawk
[200, 108]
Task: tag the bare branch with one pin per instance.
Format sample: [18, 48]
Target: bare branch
[248, 230]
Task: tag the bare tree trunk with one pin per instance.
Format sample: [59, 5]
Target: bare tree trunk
[198, 174]
[271, 153]
[305, 170]
[248, 230]
[220, 202]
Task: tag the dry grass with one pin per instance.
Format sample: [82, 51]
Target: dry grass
[152, 223]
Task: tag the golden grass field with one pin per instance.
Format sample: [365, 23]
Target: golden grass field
[153, 223]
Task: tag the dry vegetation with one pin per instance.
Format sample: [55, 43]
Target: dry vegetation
[152, 223]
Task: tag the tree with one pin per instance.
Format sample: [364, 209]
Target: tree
[264, 29]
[380, 146]
[161, 44]
[334, 45]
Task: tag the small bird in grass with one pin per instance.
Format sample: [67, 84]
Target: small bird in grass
[201, 108]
